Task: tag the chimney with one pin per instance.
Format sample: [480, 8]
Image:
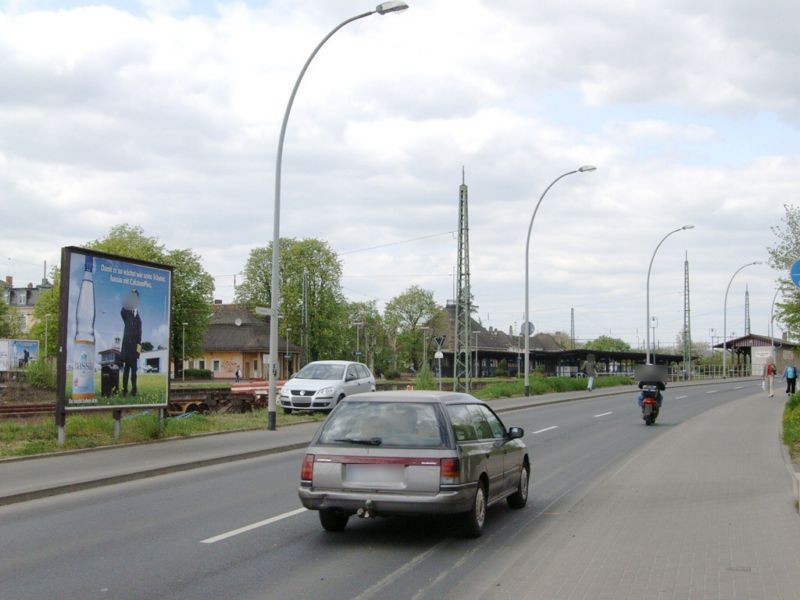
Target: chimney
[30, 286]
[510, 330]
[9, 281]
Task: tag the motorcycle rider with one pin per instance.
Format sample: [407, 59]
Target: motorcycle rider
[659, 398]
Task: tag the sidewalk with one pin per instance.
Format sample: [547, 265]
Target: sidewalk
[36, 477]
[703, 511]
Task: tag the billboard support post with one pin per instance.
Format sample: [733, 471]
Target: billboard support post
[117, 424]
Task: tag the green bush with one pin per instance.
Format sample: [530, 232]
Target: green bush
[391, 374]
[198, 373]
[544, 385]
[791, 426]
[424, 380]
[502, 368]
[41, 374]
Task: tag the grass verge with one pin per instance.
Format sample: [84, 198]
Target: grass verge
[26, 437]
[544, 385]
[791, 427]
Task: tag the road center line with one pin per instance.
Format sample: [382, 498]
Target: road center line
[739, 387]
[712, 391]
[546, 429]
[611, 412]
[246, 528]
[680, 397]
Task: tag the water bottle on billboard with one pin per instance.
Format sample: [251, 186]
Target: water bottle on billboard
[83, 358]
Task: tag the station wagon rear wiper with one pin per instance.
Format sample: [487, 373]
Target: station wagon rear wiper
[375, 441]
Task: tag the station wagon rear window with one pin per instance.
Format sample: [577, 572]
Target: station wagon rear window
[385, 424]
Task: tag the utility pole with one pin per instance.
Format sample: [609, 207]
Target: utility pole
[687, 326]
[746, 310]
[463, 296]
[572, 328]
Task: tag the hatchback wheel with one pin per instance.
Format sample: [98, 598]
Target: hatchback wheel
[333, 520]
[520, 498]
[474, 519]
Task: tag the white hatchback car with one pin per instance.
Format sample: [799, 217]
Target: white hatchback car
[320, 385]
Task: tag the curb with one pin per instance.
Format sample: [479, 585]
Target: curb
[144, 474]
[187, 466]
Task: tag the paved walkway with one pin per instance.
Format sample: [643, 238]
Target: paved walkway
[706, 510]
[48, 475]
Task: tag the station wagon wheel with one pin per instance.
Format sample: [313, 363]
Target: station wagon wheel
[475, 518]
[333, 520]
[520, 498]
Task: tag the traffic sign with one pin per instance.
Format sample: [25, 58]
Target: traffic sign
[795, 273]
[358, 353]
[527, 326]
[439, 355]
[440, 340]
[262, 311]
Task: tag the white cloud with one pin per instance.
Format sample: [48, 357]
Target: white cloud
[169, 119]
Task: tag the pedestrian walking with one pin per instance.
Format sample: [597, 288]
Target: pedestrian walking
[238, 374]
[790, 375]
[769, 379]
[590, 368]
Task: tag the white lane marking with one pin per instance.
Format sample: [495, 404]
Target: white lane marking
[246, 528]
[739, 387]
[611, 412]
[391, 577]
[680, 397]
[712, 391]
[546, 429]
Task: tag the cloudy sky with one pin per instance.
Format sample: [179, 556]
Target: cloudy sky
[165, 114]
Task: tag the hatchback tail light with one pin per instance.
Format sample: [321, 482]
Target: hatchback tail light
[307, 470]
[450, 471]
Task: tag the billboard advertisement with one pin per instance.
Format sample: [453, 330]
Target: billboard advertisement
[16, 354]
[115, 338]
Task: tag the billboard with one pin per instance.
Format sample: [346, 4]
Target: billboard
[16, 354]
[115, 338]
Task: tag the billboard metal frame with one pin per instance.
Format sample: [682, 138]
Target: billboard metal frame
[62, 407]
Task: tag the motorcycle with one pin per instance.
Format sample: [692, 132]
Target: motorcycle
[650, 403]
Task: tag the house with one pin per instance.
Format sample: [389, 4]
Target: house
[237, 338]
[23, 299]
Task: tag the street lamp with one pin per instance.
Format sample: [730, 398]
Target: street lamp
[424, 346]
[526, 324]
[47, 326]
[183, 352]
[275, 296]
[652, 258]
[725, 319]
[288, 356]
[357, 325]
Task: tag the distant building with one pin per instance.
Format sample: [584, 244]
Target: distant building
[238, 338]
[23, 299]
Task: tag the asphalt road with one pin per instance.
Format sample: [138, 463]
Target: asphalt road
[175, 536]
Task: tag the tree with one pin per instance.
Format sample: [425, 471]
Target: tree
[310, 260]
[5, 320]
[46, 317]
[192, 286]
[781, 257]
[406, 313]
[372, 334]
[608, 344]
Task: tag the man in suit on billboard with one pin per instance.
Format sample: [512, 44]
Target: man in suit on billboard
[131, 341]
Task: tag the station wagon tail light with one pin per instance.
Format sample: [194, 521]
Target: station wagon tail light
[450, 471]
[307, 470]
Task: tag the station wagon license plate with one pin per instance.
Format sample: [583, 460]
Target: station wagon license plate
[374, 473]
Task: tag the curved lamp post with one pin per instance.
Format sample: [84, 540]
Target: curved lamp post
[725, 319]
[525, 325]
[772, 319]
[275, 296]
[650, 268]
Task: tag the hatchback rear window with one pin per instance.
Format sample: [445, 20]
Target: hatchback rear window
[385, 424]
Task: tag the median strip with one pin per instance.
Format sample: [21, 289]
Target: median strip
[246, 528]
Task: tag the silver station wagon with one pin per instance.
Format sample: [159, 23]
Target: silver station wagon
[407, 453]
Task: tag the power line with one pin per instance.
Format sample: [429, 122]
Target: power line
[416, 239]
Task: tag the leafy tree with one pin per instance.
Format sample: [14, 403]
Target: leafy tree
[608, 344]
[311, 260]
[781, 257]
[192, 286]
[406, 314]
[46, 317]
[5, 318]
[373, 334]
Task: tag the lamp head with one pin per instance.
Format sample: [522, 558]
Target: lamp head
[687, 227]
[586, 168]
[390, 7]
